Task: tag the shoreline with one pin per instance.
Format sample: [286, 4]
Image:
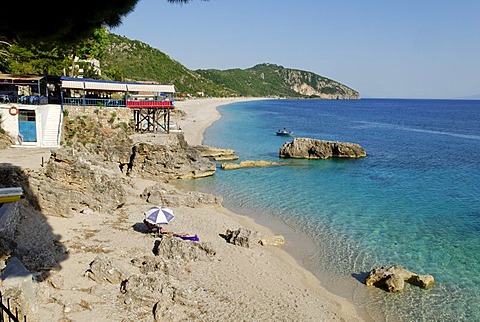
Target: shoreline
[194, 135]
[259, 283]
[195, 123]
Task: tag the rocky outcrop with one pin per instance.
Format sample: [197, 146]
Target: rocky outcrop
[168, 282]
[249, 164]
[103, 271]
[306, 148]
[75, 181]
[174, 159]
[249, 238]
[107, 134]
[187, 251]
[160, 195]
[216, 154]
[393, 278]
[242, 237]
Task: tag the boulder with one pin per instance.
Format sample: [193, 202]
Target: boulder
[247, 238]
[423, 281]
[393, 278]
[249, 164]
[217, 154]
[276, 240]
[160, 194]
[184, 250]
[242, 237]
[173, 160]
[102, 271]
[306, 148]
[75, 181]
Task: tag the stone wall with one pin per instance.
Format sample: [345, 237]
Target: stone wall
[104, 114]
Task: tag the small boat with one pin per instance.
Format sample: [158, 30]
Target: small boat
[284, 132]
[10, 194]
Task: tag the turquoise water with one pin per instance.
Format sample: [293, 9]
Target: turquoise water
[414, 200]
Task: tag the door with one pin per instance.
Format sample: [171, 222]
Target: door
[27, 125]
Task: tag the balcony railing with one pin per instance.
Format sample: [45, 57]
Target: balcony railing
[80, 101]
[149, 104]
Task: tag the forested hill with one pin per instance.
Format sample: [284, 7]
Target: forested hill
[273, 80]
[132, 60]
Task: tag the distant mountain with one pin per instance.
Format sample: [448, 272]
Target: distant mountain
[132, 60]
[273, 80]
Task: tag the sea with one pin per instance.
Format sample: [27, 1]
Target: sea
[413, 201]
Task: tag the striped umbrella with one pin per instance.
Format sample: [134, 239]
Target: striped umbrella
[159, 215]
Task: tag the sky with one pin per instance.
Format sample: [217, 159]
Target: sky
[381, 48]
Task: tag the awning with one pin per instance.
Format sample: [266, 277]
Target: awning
[106, 86]
[20, 78]
[72, 84]
[153, 88]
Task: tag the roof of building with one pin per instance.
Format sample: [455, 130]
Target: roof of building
[106, 85]
[19, 79]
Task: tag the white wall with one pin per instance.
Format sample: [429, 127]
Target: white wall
[10, 123]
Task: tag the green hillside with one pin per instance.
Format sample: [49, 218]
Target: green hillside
[113, 57]
[248, 82]
[132, 60]
[277, 81]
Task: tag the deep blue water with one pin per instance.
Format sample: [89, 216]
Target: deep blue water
[414, 200]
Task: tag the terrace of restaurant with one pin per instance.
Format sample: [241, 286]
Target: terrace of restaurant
[151, 103]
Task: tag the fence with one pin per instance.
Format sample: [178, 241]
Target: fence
[6, 311]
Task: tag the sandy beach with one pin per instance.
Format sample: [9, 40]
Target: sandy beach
[261, 283]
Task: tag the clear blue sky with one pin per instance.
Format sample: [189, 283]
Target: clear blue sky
[382, 48]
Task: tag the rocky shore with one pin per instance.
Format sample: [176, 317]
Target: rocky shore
[85, 254]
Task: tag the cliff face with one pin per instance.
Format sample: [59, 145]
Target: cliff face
[310, 84]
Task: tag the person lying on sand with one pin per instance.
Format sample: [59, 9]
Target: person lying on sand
[182, 235]
[153, 228]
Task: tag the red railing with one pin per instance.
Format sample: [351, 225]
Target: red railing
[150, 104]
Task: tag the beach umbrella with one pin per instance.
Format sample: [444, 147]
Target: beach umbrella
[159, 215]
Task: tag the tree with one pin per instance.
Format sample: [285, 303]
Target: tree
[61, 21]
[41, 58]
[4, 55]
[87, 49]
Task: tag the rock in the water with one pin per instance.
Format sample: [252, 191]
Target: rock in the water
[306, 148]
[393, 278]
[249, 164]
[217, 154]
